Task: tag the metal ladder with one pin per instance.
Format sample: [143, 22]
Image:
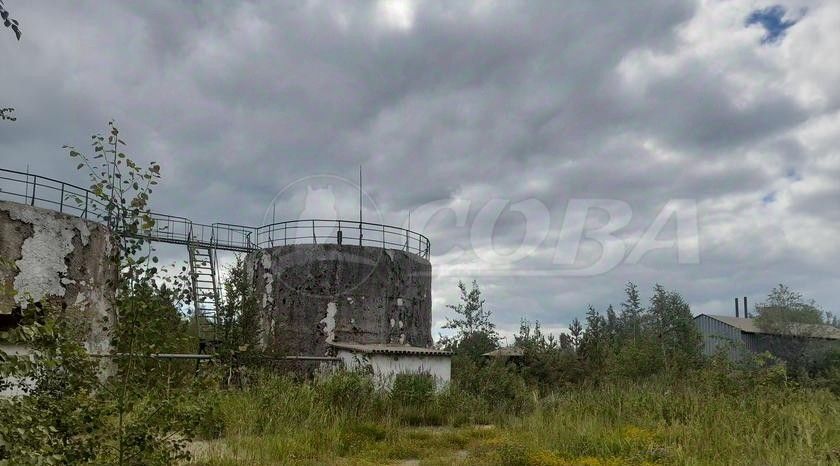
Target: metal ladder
[205, 293]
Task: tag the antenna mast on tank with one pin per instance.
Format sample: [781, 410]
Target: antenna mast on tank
[408, 230]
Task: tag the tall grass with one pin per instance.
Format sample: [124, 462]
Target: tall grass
[343, 420]
[280, 420]
[659, 423]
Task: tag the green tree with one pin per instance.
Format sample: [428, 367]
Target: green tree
[122, 189]
[151, 322]
[575, 333]
[640, 342]
[632, 312]
[787, 312]
[634, 353]
[475, 333]
[57, 416]
[673, 327]
[239, 311]
[796, 331]
[594, 345]
[612, 329]
[547, 363]
[72, 411]
[238, 322]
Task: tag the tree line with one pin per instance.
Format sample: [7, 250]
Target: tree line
[636, 340]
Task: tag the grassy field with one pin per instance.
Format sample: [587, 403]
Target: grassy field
[695, 421]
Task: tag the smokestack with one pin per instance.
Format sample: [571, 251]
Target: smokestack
[736, 307]
[746, 309]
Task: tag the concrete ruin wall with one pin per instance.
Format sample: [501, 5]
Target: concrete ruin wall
[312, 294]
[59, 263]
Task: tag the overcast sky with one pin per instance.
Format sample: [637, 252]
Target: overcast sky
[728, 108]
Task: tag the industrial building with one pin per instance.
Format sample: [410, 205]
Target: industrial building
[740, 336]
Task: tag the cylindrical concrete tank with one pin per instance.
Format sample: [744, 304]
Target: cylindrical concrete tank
[58, 262]
[313, 294]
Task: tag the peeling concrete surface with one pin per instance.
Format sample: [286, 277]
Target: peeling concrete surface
[329, 323]
[312, 294]
[60, 264]
[42, 270]
[12, 236]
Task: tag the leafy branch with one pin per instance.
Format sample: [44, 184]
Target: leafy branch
[9, 22]
[6, 113]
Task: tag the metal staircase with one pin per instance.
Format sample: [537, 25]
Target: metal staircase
[205, 293]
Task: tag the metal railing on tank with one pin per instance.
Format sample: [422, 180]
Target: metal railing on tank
[322, 231]
[49, 193]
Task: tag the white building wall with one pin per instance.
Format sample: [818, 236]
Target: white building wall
[385, 367]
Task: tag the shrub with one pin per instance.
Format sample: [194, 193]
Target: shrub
[347, 390]
[463, 407]
[413, 389]
[499, 384]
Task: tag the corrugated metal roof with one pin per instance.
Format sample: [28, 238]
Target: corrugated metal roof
[390, 349]
[741, 323]
[508, 352]
[807, 330]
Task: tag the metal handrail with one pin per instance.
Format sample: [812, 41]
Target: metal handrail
[319, 231]
[227, 233]
[41, 191]
[70, 198]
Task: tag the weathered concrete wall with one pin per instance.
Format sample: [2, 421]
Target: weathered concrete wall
[317, 293]
[60, 263]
